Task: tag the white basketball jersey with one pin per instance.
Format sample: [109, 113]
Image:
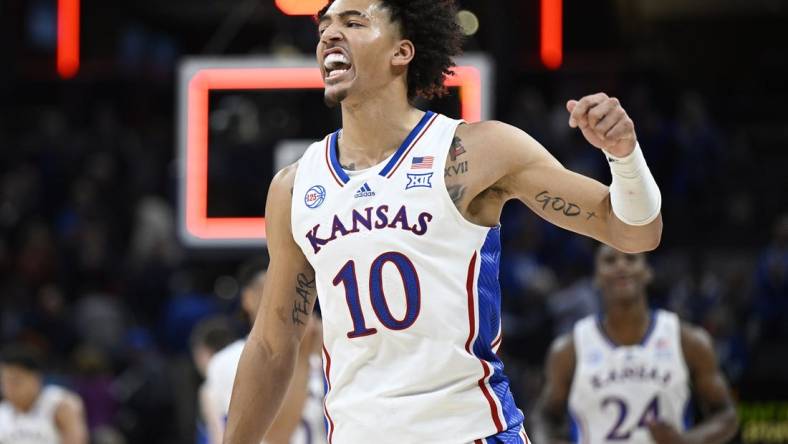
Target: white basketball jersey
[617, 390]
[312, 429]
[220, 377]
[36, 426]
[410, 298]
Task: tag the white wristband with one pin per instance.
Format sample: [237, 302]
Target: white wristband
[634, 194]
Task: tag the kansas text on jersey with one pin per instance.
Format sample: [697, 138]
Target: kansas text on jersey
[410, 298]
[617, 390]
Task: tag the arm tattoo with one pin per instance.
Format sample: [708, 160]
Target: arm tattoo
[304, 297]
[457, 149]
[456, 170]
[559, 204]
[456, 192]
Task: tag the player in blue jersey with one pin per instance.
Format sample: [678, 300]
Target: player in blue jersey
[392, 222]
[625, 376]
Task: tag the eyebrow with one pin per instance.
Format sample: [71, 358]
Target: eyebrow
[342, 15]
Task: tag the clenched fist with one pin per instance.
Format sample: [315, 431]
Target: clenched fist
[604, 123]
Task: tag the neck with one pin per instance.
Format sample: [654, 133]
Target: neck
[25, 406]
[626, 322]
[373, 127]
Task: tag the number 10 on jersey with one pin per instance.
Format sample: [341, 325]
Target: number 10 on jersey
[410, 283]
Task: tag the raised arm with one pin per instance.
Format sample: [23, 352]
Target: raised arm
[624, 215]
[720, 420]
[269, 357]
[550, 410]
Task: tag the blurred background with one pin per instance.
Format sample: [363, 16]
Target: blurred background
[92, 270]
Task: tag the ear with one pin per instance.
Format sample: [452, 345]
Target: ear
[404, 53]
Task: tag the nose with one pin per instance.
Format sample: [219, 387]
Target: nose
[331, 34]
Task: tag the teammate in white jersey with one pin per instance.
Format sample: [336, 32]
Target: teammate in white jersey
[33, 413]
[300, 420]
[626, 375]
[393, 223]
[207, 338]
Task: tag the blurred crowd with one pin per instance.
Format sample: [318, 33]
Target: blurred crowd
[92, 271]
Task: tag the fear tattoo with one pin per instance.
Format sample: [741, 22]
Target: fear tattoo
[305, 292]
[559, 204]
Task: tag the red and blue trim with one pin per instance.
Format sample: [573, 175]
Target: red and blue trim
[341, 177]
[484, 310]
[334, 167]
[407, 145]
[327, 384]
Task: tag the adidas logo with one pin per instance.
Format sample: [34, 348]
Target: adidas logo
[364, 191]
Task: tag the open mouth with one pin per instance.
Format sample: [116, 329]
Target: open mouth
[336, 64]
[623, 280]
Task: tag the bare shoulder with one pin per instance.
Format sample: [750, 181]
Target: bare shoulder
[277, 210]
[484, 128]
[285, 178]
[563, 348]
[480, 166]
[694, 338]
[69, 406]
[502, 151]
[697, 346]
[280, 191]
[504, 140]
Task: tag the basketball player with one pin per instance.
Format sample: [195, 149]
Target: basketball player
[393, 222]
[207, 338]
[300, 420]
[34, 413]
[626, 375]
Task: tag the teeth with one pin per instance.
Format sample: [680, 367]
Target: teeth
[336, 73]
[334, 59]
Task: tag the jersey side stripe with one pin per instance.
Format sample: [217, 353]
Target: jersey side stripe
[489, 310]
[472, 321]
[327, 372]
[582, 428]
[524, 436]
[471, 315]
[497, 342]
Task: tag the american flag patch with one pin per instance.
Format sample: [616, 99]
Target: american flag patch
[422, 163]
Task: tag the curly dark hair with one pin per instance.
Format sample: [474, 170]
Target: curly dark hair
[432, 27]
